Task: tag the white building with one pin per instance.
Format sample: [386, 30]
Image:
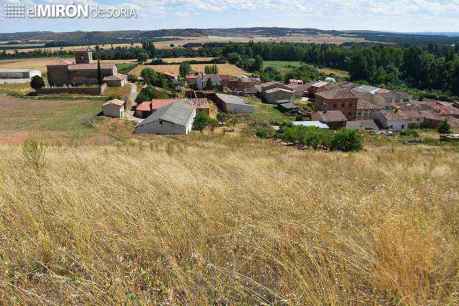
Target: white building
[114, 108]
[17, 76]
[392, 120]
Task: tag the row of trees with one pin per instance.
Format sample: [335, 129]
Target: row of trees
[432, 67]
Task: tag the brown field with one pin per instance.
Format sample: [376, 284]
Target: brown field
[228, 69]
[71, 48]
[179, 60]
[319, 39]
[227, 221]
[41, 63]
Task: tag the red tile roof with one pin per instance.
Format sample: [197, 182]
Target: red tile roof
[202, 103]
[90, 66]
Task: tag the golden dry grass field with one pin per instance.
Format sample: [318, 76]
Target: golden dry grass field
[227, 221]
[318, 39]
[72, 48]
[41, 63]
[227, 69]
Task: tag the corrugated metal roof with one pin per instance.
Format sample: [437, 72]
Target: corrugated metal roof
[317, 124]
[230, 99]
[177, 113]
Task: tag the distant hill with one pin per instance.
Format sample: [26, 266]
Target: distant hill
[136, 36]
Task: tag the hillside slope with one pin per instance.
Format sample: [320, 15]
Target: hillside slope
[228, 222]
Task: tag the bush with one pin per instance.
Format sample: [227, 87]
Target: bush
[309, 136]
[265, 132]
[202, 121]
[444, 128]
[347, 140]
[409, 133]
[37, 82]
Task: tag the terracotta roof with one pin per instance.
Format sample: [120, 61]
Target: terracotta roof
[155, 104]
[90, 66]
[393, 115]
[202, 103]
[144, 107]
[370, 102]
[329, 116]
[337, 93]
[61, 62]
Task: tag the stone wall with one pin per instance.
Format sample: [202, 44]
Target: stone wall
[90, 91]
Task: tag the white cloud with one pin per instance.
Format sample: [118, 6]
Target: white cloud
[402, 15]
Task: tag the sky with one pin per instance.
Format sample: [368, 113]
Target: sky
[382, 15]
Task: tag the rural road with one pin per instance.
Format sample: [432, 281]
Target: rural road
[132, 96]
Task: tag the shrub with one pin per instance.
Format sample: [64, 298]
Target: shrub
[409, 133]
[347, 140]
[265, 132]
[444, 128]
[309, 136]
[202, 121]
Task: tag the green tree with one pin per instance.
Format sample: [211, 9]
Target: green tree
[37, 82]
[146, 94]
[142, 57]
[201, 121]
[100, 78]
[185, 69]
[347, 140]
[258, 64]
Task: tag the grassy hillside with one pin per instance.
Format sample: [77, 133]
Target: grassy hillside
[228, 221]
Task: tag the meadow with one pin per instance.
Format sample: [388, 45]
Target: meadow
[285, 66]
[210, 220]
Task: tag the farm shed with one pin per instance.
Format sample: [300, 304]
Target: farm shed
[114, 108]
[232, 104]
[117, 80]
[273, 96]
[173, 119]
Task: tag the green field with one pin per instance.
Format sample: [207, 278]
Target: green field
[285, 66]
[282, 66]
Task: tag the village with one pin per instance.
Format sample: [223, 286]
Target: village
[207, 96]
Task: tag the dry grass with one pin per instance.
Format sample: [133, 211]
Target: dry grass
[227, 69]
[317, 39]
[235, 221]
[337, 72]
[72, 48]
[41, 63]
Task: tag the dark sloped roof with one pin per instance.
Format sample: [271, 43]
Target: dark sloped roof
[362, 124]
[230, 99]
[178, 113]
[329, 116]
